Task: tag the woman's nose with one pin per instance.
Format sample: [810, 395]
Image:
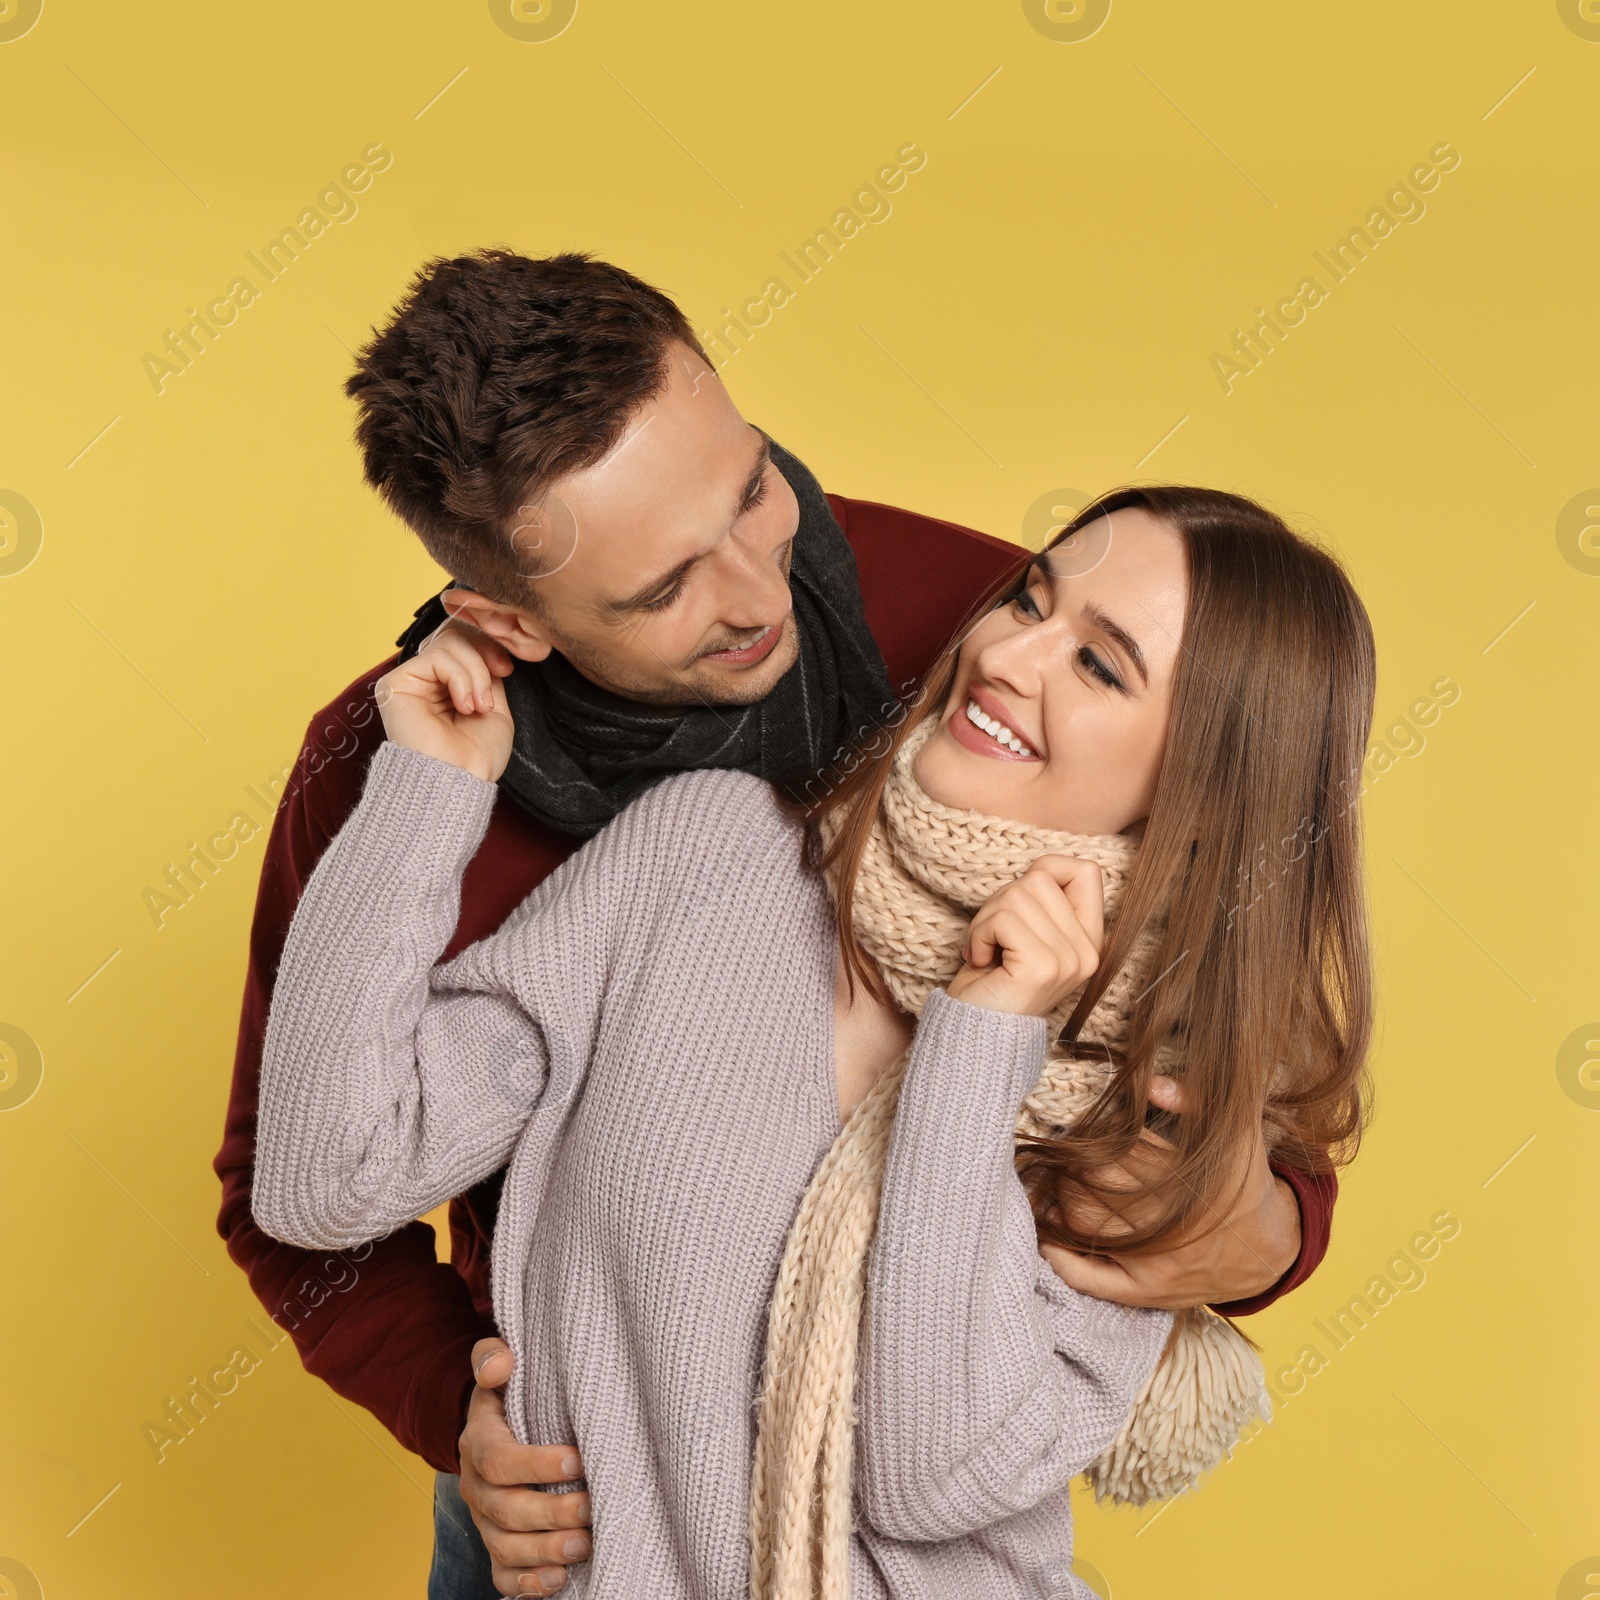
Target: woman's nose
[1021, 660]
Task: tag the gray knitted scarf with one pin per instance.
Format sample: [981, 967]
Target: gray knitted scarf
[581, 754]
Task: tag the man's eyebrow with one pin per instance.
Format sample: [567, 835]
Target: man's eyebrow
[668, 581]
[1119, 636]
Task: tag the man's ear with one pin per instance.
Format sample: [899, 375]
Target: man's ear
[521, 632]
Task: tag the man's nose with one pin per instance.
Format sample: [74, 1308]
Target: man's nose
[755, 587]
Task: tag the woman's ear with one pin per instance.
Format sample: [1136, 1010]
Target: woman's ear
[521, 632]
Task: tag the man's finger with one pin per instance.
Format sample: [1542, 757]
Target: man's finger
[507, 1462]
[529, 1511]
[492, 1362]
[1105, 1280]
[1167, 1093]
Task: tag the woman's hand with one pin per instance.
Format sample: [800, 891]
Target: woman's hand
[443, 702]
[1035, 941]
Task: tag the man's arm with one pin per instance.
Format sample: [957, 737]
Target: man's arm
[385, 1325]
[1268, 1242]
[1313, 1195]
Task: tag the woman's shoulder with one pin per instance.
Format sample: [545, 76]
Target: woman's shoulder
[705, 814]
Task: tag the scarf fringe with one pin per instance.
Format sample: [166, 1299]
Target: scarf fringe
[1205, 1391]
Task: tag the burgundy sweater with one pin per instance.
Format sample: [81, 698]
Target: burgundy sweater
[386, 1324]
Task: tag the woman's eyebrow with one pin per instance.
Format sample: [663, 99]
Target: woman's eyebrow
[1119, 636]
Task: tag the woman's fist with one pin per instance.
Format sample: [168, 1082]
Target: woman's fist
[1036, 941]
[444, 702]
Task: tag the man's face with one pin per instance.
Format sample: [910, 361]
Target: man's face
[667, 562]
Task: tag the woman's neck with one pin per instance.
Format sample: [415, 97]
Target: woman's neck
[869, 1034]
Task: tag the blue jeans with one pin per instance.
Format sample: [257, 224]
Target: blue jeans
[461, 1567]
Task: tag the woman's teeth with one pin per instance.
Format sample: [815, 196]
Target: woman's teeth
[996, 730]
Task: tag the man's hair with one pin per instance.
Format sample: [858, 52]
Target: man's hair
[496, 375]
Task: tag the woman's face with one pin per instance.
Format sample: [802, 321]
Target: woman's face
[1078, 672]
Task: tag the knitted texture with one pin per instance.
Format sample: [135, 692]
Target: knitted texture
[645, 1048]
[925, 869]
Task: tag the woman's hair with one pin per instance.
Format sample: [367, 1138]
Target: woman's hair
[1253, 845]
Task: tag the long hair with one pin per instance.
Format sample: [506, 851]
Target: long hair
[1253, 850]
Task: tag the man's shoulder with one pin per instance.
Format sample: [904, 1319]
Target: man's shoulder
[873, 527]
[340, 740]
[921, 579]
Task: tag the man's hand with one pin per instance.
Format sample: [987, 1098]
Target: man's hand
[444, 702]
[1255, 1243]
[530, 1535]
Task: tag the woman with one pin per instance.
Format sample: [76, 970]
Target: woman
[1163, 724]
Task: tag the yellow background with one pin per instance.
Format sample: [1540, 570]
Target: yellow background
[1039, 312]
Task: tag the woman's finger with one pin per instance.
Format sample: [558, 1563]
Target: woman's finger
[1084, 886]
[485, 658]
[453, 668]
[1042, 890]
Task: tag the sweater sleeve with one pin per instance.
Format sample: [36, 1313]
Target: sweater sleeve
[986, 1383]
[388, 1326]
[389, 1084]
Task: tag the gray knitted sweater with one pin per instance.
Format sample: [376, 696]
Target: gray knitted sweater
[647, 1042]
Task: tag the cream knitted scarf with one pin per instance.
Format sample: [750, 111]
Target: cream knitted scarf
[927, 867]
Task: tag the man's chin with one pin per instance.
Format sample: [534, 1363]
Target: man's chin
[727, 685]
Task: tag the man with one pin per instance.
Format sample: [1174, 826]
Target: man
[676, 592]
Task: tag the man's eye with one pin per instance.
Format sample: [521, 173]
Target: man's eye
[758, 494]
[663, 601]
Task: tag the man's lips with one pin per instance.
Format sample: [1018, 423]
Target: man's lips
[762, 645]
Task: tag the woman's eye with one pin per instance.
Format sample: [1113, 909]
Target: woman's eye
[1027, 605]
[1099, 668]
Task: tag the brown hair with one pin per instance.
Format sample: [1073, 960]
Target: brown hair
[1253, 846]
[496, 375]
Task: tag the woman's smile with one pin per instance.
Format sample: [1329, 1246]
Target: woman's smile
[982, 725]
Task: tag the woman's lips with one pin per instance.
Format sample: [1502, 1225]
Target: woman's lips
[762, 645]
[973, 738]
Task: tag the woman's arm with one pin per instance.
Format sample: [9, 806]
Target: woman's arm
[387, 1087]
[986, 1383]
